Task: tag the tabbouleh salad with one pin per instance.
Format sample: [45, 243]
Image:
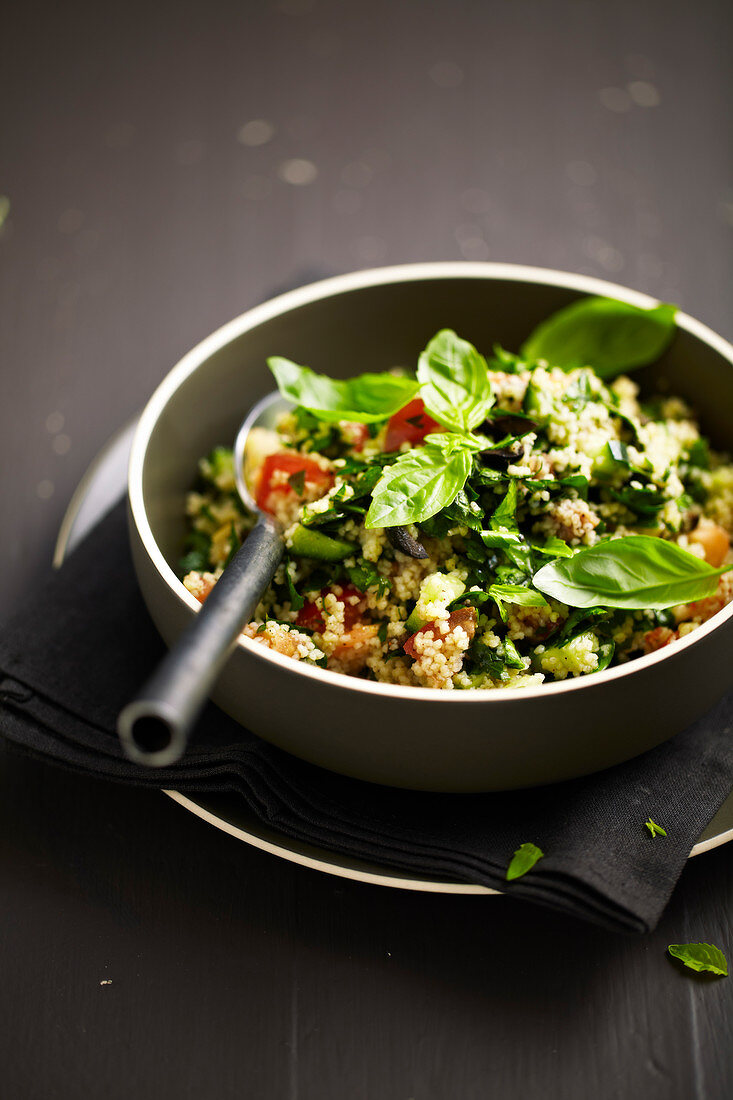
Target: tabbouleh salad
[483, 523]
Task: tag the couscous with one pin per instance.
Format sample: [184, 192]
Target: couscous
[485, 523]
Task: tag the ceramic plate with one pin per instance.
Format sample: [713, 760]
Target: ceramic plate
[100, 489]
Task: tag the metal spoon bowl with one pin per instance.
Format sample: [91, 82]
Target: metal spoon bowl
[155, 726]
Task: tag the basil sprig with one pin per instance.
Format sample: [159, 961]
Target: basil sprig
[608, 335]
[633, 573]
[365, 399]
[422, 481]
[454, 381]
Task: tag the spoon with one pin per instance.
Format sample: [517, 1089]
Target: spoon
[154, 728]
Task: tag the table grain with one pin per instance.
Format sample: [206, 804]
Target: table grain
[168, 165]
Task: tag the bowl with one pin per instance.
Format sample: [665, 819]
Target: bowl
[415, 737]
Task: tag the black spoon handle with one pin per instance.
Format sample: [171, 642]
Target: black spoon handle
[154, 728]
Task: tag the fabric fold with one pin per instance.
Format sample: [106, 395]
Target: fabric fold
[84, 643]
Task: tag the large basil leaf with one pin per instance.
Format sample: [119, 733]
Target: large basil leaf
[366, 398]
[454, 382]
[634, 572]
[602, 333]
[418, 485]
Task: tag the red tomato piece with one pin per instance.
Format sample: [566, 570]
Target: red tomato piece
[311, 617]
[272, 480]
[409, 425]
[462, 616]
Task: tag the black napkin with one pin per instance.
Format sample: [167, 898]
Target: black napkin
[85, 643]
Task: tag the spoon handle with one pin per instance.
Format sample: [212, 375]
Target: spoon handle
[154, 728]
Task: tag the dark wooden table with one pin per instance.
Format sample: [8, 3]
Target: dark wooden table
[168, 165]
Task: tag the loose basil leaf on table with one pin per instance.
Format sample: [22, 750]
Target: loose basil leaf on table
[454, 382]
[365, 399]
[608, 335]
[523, 860]
[634, 572]
[700, 957]
[418, 485]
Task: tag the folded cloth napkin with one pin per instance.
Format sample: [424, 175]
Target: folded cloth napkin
[84, 644]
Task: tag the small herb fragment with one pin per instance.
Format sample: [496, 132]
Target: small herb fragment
[523, 860]
[700, 957]
[296, 482]
[654, 829]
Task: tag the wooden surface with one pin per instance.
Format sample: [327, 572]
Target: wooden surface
[587, 136]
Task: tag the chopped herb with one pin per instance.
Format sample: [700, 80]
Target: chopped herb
[296, 482]
[523, 860]
[235, 544]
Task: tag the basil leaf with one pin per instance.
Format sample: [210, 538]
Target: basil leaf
[505, 515]
[512, 654]
[515, 594]
[523, 860]
[505, 535]
[454, 382]
[366, 398]
[700, 956]
[646, 501]
[633, 572]
[365, 575]
[466, 512]
[555, 548]
[654, 829]
[602, 333]
[503, 540]
[417, 486]
[578, 621]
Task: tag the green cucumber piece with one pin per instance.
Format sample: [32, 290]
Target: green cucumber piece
[413, 623]
[308, 543]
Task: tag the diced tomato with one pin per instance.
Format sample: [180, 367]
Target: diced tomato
[462, 616]
[311, 617]
[409, 425]
[658, 638]
[355, 646]
[288, 464]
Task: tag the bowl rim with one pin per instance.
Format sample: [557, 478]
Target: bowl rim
[331, 288]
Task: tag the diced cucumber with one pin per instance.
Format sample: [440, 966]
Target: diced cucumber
[537, 404]
[436, 588]
[414, 622]
[307, 543]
